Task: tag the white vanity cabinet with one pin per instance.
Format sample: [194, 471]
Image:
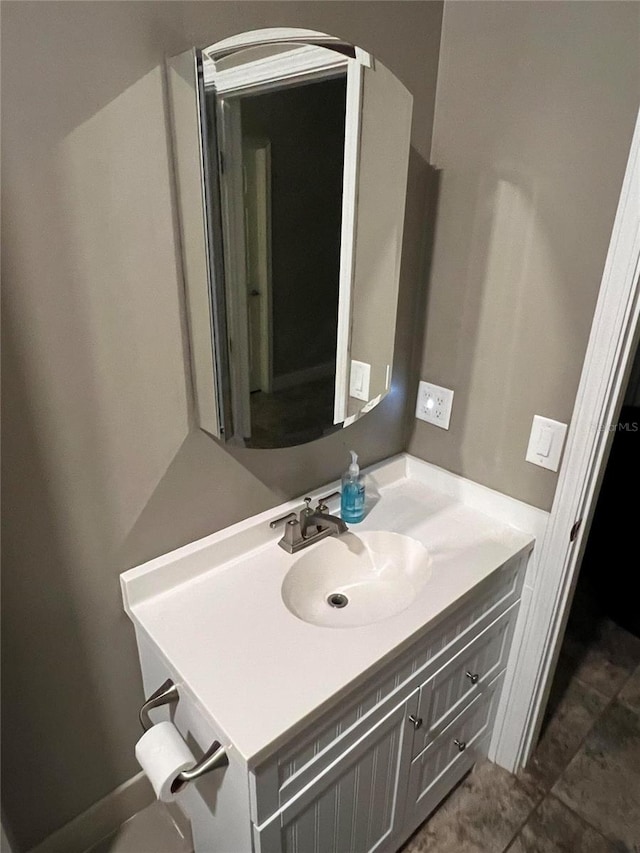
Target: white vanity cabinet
[368, 774]
[339, 740]
[364, 774]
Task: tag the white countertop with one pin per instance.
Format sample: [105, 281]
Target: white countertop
[214, 608]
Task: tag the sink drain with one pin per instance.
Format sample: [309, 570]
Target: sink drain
[337, 599]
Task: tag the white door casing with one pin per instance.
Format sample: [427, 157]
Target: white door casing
[257, 202]
[608, 360]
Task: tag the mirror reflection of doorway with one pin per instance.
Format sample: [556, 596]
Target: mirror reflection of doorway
[293, 164]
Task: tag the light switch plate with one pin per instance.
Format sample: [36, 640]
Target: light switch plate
[434, 404]
[546, 442]
[359, 380]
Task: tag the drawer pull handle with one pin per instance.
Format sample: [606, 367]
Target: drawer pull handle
[417, 721]
[214, 757]
[461, 744]
[473, 677]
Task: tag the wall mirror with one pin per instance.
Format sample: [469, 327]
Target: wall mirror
[291, 151]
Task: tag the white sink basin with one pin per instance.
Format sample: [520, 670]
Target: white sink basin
[356, 579]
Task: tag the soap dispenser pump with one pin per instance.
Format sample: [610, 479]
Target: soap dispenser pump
[352, 500]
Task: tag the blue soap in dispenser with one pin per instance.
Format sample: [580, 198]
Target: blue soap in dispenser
[352, 500]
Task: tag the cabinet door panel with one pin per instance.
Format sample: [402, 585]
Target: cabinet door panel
[326, 827]
[354, 806]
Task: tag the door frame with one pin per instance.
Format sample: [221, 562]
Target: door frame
[608, 360]
[258, 151]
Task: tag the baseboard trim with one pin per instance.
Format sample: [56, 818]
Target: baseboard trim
[101, 819]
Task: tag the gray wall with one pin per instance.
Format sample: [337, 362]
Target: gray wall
[534, 115]
[102, 466]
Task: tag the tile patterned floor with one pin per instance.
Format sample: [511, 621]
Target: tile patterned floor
[581, 790]
[579, 794]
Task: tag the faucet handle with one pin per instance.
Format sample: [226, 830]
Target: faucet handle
[322, 502]
[283, 518]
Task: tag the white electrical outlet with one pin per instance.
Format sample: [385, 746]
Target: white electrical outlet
[434, 404]
[359, 380]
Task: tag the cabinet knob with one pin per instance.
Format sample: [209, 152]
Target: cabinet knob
[417, 721]
[473, 677]
[460, 744]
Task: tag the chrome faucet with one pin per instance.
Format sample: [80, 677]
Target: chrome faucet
[311, 526]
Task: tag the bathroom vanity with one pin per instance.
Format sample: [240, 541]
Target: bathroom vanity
[330, 691]
[342, 732]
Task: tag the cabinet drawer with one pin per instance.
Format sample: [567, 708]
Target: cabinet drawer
[274, 782]
[464, 677]
[443, 763]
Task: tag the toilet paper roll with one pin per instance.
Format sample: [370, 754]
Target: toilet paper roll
[162, 754]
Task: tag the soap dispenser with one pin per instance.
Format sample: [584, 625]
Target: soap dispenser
[352, 500]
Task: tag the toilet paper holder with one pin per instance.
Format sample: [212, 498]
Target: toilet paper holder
[214, 758]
